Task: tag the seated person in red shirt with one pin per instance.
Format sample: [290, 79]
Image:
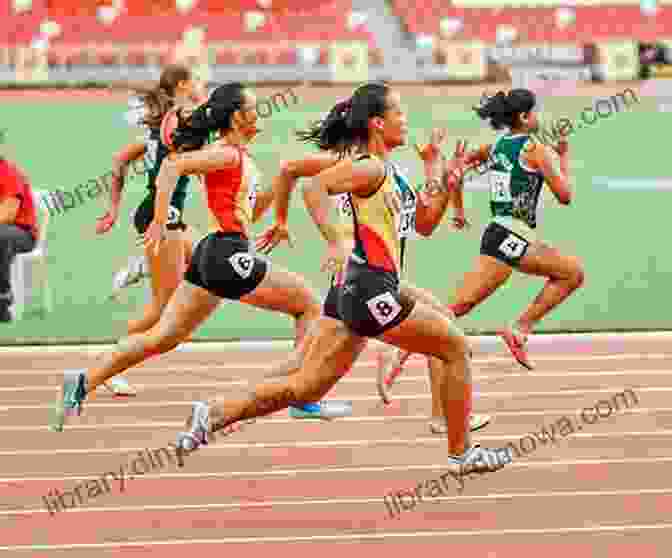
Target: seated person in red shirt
[18, 226]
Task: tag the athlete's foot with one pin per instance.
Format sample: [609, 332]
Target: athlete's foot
[476, 422]
[70, 399]
[516, 340]
[389, 368]
[120, 387]
[133, 274]
[478, 461]
[324, 410]
[198, 429]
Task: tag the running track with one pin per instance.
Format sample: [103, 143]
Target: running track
[284, 486]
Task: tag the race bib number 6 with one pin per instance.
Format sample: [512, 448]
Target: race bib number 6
[173, 215]
[242, 264]
[384, 308]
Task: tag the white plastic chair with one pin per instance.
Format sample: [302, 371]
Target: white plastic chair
[22, 273]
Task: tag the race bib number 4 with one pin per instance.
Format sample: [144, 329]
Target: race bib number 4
[500, 186]
[242, 264]
[384, 308]
[513, 247]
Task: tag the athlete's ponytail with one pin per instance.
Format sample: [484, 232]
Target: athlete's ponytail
[194, 129]
[504, 110]
[330, 133]
[347, 124]
[159, 99]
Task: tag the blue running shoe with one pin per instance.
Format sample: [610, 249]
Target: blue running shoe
[324, 410]
[70, 400]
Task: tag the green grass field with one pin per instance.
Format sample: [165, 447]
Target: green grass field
[620, 234]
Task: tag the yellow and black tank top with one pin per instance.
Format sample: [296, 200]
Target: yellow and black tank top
[383, 221]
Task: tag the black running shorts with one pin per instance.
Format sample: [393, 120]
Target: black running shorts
[145, 214]
[370, 301]
[224, 265]
[504, 245]
[330, 306]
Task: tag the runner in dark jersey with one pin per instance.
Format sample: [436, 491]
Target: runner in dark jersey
[517, 167]
[166, 268]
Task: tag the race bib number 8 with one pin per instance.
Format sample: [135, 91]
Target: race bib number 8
[512, 247]
[242, 264]
[500, 186]
[384, 308]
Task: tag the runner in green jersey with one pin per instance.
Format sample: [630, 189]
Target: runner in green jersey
[176, 88]
[517, 167]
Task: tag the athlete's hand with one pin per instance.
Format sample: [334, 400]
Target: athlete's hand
[431, 151]
[106, 222]
[154, 236]
[456, 167]
[337, 255]
[272, 237]
[460, 222]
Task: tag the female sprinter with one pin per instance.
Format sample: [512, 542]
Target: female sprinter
[176, 88]
[222, 266]
[517, 167]
[325, 135]
[369, 300]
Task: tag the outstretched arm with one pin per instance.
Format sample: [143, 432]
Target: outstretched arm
[282, 187]
[120, 163]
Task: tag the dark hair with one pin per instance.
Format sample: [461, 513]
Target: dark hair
[193, 130]
[347, 124]
[160, 98]
[503, 110]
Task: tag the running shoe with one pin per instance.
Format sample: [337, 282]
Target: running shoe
[476, 422]
[70, 399]
[516, 340]
[324, 410]
[478, 460]
[199, 433]
[119, 386]
[132, 274]
[387, 373]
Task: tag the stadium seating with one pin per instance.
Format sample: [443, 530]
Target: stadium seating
[239, 32]
[537, 24]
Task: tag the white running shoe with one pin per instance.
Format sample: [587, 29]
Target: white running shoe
[478, 460]
[136, 270]
[476, 422]
[199, 433]
[120, 387]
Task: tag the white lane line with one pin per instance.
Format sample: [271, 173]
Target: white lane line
[357, 536]
[272, 473]
[478, 341]
[403, 379]
[185, 367]
[346, 501]
[226, 446]
[355, 419]
[478, 394]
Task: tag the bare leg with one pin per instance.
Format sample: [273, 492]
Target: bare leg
[289, 293]
[167, 270]
[428, 332]
[331, 352]
[189, 307]
[488, 275]
[565, 274]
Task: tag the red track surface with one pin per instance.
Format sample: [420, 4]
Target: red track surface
[283, 485]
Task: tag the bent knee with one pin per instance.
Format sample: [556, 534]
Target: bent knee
[577, 274]
[159, 344]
